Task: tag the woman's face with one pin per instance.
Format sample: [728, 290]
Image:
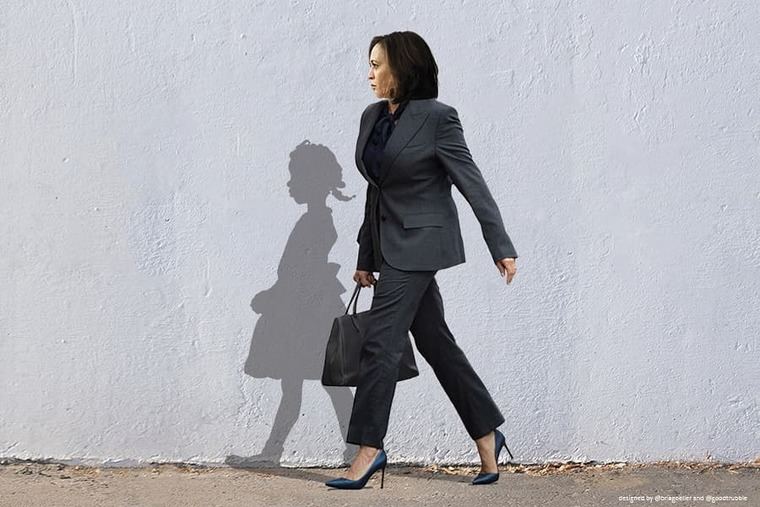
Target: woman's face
[380, 76]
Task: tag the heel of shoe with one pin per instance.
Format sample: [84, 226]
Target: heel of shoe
[508, 451]
[499, 436]
[382, 476]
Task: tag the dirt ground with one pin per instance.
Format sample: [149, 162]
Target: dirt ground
[24, 483]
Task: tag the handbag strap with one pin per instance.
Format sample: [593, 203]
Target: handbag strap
[354, 298]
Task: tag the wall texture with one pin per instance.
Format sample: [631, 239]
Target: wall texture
[172, 252]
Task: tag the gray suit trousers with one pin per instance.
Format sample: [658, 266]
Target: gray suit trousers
[410, 301]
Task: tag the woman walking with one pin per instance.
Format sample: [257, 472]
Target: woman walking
[410, 149]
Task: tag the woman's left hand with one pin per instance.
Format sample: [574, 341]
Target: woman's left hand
[507, 265]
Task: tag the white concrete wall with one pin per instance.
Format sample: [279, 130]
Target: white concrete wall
[145, 151]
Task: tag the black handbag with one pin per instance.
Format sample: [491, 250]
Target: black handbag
[345, 345]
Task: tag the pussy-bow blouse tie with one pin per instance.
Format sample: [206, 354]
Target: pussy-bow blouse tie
[381, 131]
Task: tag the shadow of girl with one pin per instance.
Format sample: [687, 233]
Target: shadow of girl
[296, 313]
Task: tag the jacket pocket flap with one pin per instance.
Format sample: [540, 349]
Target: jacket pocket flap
[424, 220]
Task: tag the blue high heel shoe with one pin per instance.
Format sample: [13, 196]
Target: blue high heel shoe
[489, 477]
[378, 464]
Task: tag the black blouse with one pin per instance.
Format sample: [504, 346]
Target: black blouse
[373, 151]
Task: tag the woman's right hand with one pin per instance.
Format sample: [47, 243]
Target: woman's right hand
[365, 278]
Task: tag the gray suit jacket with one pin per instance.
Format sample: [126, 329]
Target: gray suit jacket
[410, 216]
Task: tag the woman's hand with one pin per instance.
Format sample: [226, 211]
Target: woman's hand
[507, 265]
[365, 278]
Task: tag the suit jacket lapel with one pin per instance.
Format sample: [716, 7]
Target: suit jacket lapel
[365, 129]
[410, 122]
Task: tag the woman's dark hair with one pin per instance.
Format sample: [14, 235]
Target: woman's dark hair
[412, 65]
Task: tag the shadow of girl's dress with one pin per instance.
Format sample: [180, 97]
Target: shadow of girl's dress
[297, 312]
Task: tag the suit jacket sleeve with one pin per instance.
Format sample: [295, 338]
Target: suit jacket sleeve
[365, 261]
[451, 149]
